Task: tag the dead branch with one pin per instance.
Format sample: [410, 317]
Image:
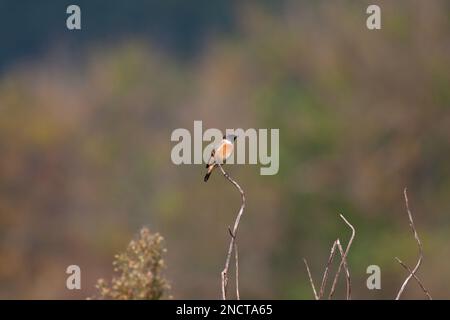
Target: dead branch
[311, 280]
[233, 234]
[344, 263]
[415, 277]
[347, 273]
[236, 259]
[412, 273]
[327, 268]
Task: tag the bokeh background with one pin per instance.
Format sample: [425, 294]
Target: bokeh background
[86, 118]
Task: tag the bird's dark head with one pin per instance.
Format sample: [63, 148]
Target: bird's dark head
[230, 137]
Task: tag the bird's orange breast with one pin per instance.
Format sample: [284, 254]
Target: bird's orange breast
[224, 151]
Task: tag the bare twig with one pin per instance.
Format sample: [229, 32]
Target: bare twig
[236, 259]
[415, 277]
[311, 280]
[233, 234]
[347, 273]
[412, 273]
[344, 263]
[327, 269]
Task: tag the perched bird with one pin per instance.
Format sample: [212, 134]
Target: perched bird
[220, 154]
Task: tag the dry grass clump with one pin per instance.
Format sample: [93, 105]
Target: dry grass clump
[140, 269]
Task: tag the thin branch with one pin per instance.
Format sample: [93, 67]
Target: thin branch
[347, 272]
[415, 277]
[327, 268]
[311, 280]
[419, 245]
[236, 259]
[343, 261]
[233, 238]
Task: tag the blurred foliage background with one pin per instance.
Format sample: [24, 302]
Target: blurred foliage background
[86, 118]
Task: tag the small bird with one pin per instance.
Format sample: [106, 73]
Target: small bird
[220, 154]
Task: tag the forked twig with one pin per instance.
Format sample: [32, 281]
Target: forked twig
[233, 245]
[412, 273]
[415, 277]
[347, 273]
[344, 263]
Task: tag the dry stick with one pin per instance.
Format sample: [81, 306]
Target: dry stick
[347, 272]
[233, 237]
[327, 268]
[343, 261]
[343, 254]
[416, 278]
[236, 258]
[419, 244]
[311, 280]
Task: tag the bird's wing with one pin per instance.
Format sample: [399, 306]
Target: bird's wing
[211, 159]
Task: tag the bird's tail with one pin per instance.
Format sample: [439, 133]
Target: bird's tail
[210, 170]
